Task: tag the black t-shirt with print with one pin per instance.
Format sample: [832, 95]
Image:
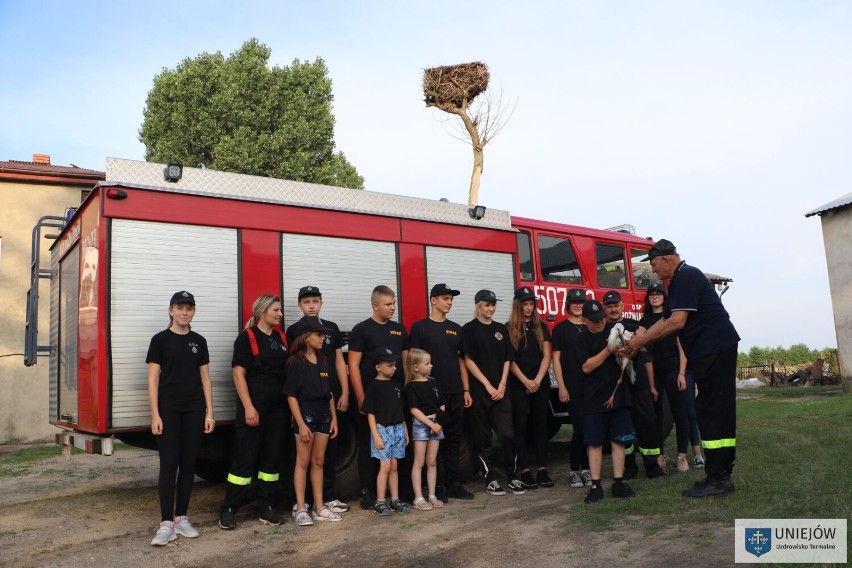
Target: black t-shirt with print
[384, 400]
[489, 347]
[179, 357]
[331, 343]
[442, 340]
[565, 335]
[424, 395]
[370, 335]
[601, 382]
[309, 383]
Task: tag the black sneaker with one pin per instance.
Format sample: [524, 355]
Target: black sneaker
[459, 492]
[711, 488]
[543, 479]
[528, 481]
[268, 516]
[441, 493]
[368, 502]
[655, 472]
[622, 490]
[515, 486]
[596, 493]
[227, 518]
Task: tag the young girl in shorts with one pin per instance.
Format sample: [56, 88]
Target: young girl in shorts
[179, 391]
[424, 400]
[308, 390]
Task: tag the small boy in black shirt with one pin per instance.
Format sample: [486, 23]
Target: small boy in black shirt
[607, 402]
[384, 408]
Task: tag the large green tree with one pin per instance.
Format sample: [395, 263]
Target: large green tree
[237, 114]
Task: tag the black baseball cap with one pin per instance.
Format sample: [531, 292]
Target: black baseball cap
[384, 355]
[309, 291]
[662, 247]
[485, 296]
[611, 297]
[307, 324]
[182, 297]
[657, 287]
[524, 294]
[593, 310]
[576, 295]
[442, 290]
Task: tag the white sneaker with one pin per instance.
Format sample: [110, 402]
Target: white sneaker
[183, 528]
[165, 534]
[337, 506]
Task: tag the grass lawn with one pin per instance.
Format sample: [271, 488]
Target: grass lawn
[792, 462]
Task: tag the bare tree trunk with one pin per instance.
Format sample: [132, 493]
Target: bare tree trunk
[478, 158]
[478, 155]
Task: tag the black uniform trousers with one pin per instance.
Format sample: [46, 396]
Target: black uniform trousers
[524, 407]
[716, 409]
[486, 414]
[257, 450]
[667, 383]
[578, 453]
[449, 450]
[645, 426]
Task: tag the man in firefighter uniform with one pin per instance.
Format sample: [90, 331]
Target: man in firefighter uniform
[709, 341]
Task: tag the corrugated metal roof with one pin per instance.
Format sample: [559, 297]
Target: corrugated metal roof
[836, 204]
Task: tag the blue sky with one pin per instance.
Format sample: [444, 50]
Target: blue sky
[715, 125]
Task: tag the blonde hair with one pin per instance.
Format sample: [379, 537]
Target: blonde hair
[415, 357]
[479, 306]
[381, 291]
[263, 303]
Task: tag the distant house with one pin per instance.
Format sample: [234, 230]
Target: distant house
[28, 191]
[836, 218]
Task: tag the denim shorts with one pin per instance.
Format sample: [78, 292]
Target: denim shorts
[614, 425]
[394, 439]
[317, 425]
[422, 433]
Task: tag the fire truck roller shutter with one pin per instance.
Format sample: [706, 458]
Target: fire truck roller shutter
[345, 271]
[469, 271]
[63, 327]
[149, 261]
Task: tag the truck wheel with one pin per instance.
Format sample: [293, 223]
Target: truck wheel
[215, 471]
[346, 482]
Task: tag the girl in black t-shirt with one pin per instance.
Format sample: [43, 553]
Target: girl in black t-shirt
[308, 390]
[529, 384]
[424, 400]
[181, 409]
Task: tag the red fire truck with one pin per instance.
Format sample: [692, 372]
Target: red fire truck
[151, 229]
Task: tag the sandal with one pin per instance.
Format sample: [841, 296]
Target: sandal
[682, 463]
[326, 514]
[422, 504]
[303, 519]
[436, 503]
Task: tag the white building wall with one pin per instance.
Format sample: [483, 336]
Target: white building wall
[837, 235]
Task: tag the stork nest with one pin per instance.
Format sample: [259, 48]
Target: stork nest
[454, 86]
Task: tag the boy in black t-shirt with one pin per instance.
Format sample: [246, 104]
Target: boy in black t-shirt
[487, 355]
[607, 402]
[441, 338]
[389, 433]
[377, 331]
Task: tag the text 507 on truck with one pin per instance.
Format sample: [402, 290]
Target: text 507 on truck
[142, 234]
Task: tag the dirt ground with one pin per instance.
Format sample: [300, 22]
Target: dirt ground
[88, 510]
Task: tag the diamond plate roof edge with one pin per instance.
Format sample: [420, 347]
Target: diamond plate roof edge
[197, 181]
